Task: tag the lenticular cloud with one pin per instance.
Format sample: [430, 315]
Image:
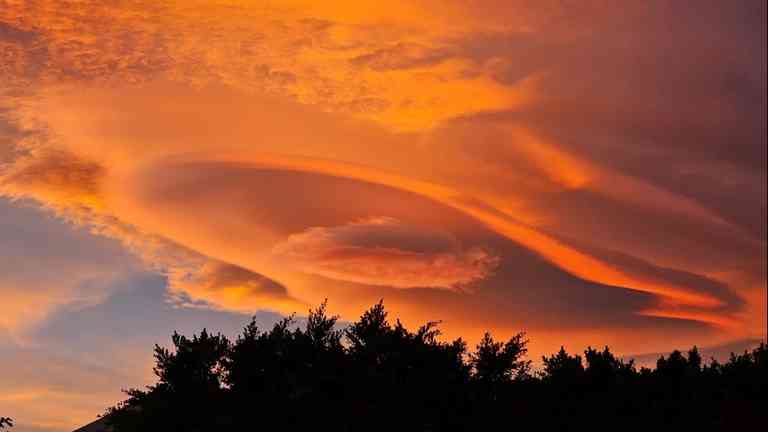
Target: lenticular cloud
[384, 251]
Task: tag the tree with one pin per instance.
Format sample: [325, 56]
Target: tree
[369, 336]
[603, 368]
[496, 364]
[188, 395]
[6, 421]
[563, 369]
[194, 364]
[677, 367]
[411, 373]
[377, 375]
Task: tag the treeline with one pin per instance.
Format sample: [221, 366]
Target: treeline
[376, 375]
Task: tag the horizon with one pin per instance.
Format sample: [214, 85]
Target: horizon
[589, 173]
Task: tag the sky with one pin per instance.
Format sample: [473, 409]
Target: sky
[589, 172]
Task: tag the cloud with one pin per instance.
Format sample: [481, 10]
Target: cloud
[54, 177]
[12, 34]
[70, 187]
[520, 123]
[401, 56]
[384, 251]
[244, 203]
[301, 50]
[41, 271]
[230, 288]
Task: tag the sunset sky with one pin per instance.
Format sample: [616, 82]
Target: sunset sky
[589, 172]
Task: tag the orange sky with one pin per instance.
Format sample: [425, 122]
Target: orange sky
[588, 173]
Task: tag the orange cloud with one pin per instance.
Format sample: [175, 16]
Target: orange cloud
[384, 251]
[401, 105]
[230, 288]
[54, 177]
[132, 188]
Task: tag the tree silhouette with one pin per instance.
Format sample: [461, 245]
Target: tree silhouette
[498, 362]
[188, 394]
[603, 368]
[377, 375]
[6, 421]
[563, 369]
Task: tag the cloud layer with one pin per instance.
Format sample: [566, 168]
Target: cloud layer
[583, 170]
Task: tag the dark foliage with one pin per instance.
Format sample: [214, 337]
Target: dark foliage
[380, 376]
[5, 421]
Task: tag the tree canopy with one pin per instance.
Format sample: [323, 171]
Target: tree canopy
[377, 375]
